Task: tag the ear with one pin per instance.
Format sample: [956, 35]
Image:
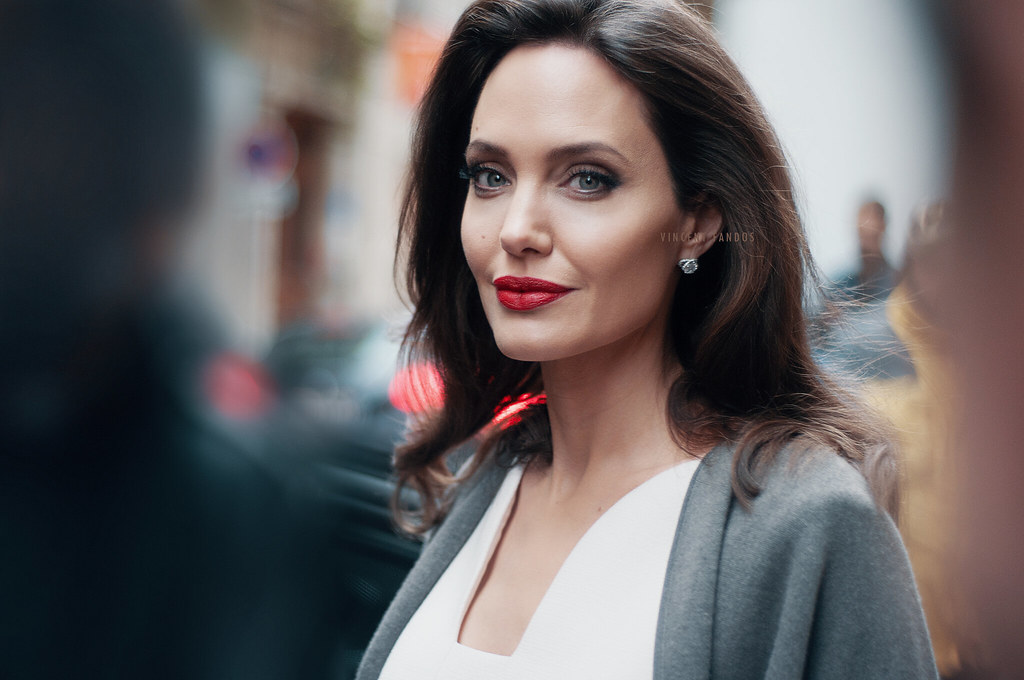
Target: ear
[701, 225]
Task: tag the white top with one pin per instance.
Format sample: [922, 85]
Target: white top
[597, 619]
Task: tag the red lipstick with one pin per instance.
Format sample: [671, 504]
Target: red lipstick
[522, 293]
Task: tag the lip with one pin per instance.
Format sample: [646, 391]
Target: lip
[522, 293]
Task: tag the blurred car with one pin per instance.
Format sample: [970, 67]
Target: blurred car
[338, 376]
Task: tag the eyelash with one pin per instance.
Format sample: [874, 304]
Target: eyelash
[607, 181]
[471, 172]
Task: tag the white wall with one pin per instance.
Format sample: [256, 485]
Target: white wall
[858, 99]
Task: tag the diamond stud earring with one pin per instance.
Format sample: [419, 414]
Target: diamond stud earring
[688, 265]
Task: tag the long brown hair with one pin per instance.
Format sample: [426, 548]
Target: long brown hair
[737, 325]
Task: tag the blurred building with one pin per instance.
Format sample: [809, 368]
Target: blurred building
[312, 105]
[283, 75]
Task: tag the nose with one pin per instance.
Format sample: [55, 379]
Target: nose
[526, 228]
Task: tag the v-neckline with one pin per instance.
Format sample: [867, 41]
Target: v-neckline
[499, 535]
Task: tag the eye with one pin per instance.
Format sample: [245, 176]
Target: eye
[483, 177]
[490, 178]
[591, 182]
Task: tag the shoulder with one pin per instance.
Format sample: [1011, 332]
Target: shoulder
[809, 478]
[822, 568]
[814, 507]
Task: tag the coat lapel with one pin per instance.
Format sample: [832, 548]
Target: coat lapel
[437, 555]
[683, 642]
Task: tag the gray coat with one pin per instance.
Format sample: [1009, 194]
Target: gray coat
[811, 582]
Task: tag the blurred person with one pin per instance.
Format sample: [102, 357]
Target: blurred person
[856, 337]
[874, 277]
[925, 410]
[681, 491]
[980, 309]
[141, 534]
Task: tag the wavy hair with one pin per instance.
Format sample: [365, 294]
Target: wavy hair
[737, 327]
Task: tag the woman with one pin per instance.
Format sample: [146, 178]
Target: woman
[680, 498]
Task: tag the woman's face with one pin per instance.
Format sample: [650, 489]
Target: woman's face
[571, 227]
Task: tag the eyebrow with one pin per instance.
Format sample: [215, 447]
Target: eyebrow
[558, 153]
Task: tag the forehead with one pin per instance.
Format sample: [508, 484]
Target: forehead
[557, 94]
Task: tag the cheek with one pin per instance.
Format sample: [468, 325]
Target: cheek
[474, 246]
[645, 277]
[632, 279]
[480, 232]
[630, 255]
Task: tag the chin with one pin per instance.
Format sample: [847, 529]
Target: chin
[522, 351]
[533, 338]
[522, 348]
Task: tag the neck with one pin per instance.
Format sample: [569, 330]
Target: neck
[608, 412]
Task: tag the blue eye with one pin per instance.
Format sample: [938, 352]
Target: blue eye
[490, 179]
[588, 181]
[592, 182]
[484, 177]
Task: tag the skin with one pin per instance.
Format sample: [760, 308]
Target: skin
[870, 230]
[553, 123]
